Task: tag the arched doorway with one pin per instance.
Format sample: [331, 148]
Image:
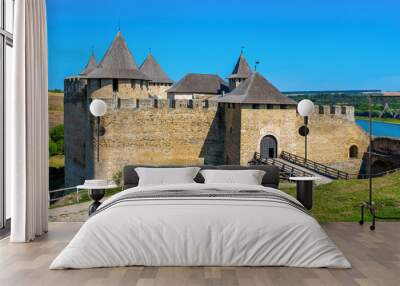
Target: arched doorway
[353, 152]
[269, 147]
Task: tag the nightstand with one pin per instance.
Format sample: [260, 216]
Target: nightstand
[96, 193]
[304, 190]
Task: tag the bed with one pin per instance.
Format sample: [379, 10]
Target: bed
[201, 224]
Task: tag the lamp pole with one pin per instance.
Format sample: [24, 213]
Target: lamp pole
[369, 205]
[98, 138]
[98, 108]
[305, 137]
[305, 108]
[370, 148]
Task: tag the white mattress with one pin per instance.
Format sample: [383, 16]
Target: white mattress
[200, 232]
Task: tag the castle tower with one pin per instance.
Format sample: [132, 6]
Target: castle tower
[240, 72]
[160, 81]
[90, 66]
[117, 75]
[247, 109]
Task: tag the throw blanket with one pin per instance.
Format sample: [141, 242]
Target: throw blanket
[201, 225]
[205, 194]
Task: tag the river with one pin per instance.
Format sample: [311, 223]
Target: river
[381, 129]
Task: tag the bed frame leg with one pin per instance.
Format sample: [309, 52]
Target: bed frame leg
[361, 222]
[372, 227]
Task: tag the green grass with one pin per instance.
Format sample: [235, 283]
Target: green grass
[56, 161]
[336, 201]
[83, 197]
[376, 119]
[340, 200]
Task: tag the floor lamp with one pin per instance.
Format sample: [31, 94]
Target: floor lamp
[370, 204]
[98, 108]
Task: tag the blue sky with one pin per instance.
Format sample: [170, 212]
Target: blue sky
[302, 45]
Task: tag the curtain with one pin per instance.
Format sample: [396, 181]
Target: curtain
[27, 122]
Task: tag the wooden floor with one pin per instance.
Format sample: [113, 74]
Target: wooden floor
[375, 257]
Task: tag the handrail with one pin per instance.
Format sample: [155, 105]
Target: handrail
[315, 166]
[63, 193]
[286, 170]
[289, 171]
[59, 190]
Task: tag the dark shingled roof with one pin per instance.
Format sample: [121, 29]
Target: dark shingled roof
[118, 62]
[242, 68]
[90, 66]
[200, 83]
[257, 90]
[153, 70]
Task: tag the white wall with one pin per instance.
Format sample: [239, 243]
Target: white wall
[8, 86]
[9, 9]
[9, 27]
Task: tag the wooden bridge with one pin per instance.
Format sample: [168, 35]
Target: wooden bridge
[295, 166]
[316, 167]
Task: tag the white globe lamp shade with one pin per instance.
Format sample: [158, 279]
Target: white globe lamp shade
[305, 107]
[98, 107]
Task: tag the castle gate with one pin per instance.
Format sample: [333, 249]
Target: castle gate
[269, 147]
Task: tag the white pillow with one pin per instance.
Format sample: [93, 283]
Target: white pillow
[247, 177]
[166, 176]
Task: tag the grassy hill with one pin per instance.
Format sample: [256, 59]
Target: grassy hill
[56, 109]
[56, 117]
[340, 200]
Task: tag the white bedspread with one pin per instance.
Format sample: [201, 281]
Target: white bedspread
[200, 231]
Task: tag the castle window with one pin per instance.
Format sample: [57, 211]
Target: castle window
[155, 103]
[353, 152]
[233, 106]
[190, 103]
[141, 84]
[205, 103]
[343, 108]
[132, 83]
[171, 103]
[230, 130]
[115, 85]
[333, 110]
[321, 109]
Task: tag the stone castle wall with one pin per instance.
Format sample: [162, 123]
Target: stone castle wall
[232, 122]
[151, 132]
[158, 90]
[191, 132]
[103, 88]
[332, 132]
[77, 133]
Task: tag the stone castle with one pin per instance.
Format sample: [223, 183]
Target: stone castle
[200, 119]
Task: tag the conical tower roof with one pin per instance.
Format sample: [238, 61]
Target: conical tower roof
[153, 70]
[257, 90]
[118, 62]
[242, 68]
[90, 66]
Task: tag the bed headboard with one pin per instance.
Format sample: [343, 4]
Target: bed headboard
[270, 179]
